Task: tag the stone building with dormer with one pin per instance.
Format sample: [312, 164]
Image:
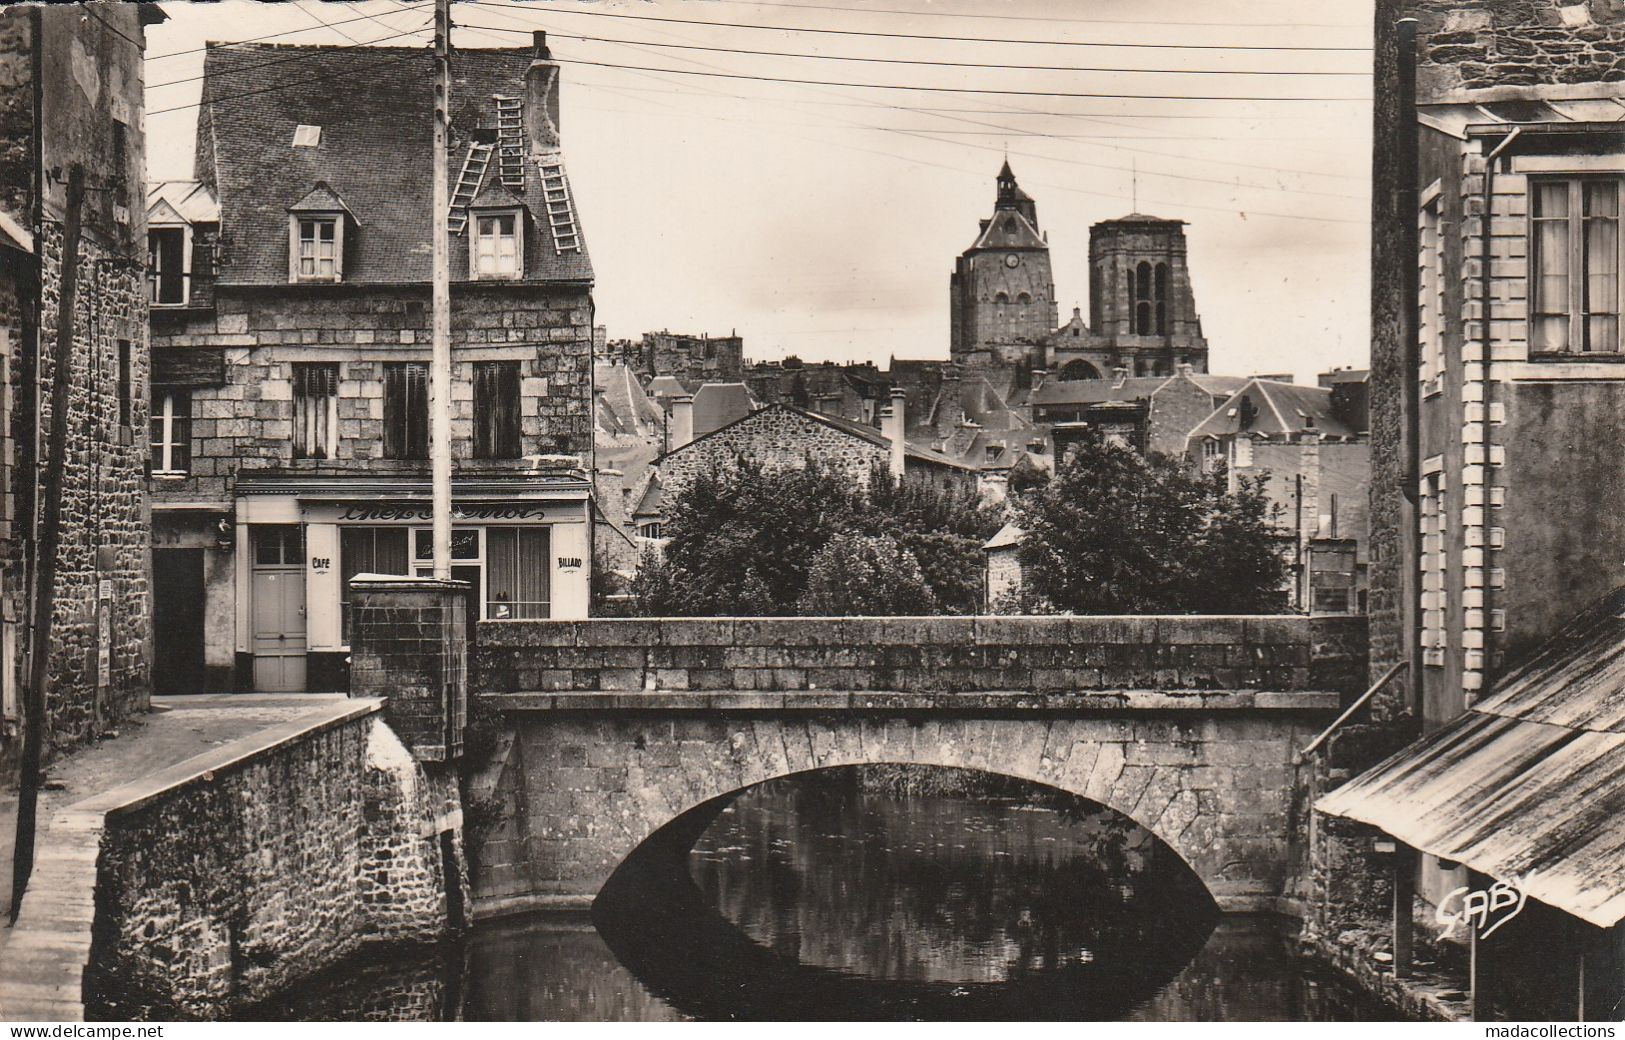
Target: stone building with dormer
[291, 337]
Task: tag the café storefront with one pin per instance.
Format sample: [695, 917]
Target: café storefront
[523, 542]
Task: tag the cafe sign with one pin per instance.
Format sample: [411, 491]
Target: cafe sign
[383, 512]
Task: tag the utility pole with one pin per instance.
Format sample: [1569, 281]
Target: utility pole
[48, 468]
[440, 355]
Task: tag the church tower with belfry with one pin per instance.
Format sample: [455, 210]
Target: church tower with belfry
[1002, 292]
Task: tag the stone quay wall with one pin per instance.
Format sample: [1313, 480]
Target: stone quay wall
[614, 728]
[227, 879]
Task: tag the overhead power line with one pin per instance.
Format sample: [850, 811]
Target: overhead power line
[1304, 48]
[1366, 73]
[305, 55]
[957, 90]
[865, 9]
[255, 39]
[223, 98]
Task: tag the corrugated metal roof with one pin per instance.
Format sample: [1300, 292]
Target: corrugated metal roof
[1538, 803]
[1577, 679]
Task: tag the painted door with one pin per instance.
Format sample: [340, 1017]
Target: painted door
[177, 622]
[279, 630]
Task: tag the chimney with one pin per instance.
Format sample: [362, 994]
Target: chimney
[1186, 369]
[893, 426]
[1039, 375]
[542, 99]
[682, 421]
[1121, 375]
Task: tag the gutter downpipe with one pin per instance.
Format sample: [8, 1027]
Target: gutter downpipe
[1408, 164]
[1487, 342]
[1408, 161]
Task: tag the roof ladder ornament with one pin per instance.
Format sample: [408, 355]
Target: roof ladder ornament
[468, 182]
[510, 140]
[561, 216]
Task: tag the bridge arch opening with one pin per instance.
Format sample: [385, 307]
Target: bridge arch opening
[885, 889]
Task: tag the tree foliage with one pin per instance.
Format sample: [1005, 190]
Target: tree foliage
[1115, 532]
[865, 575]
[743, 540]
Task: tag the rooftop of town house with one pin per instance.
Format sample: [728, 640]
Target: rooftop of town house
[1126, 388]
[718, 404]
[264, 149]
[1265, 408]
[912, 449]
[190, 201]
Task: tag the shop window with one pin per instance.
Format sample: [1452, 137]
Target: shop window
[315, 410]
[1574, 246]
[279, 545]
[172, 432]
[516, 567]
[406, 411]
[167, 277]
[368, 550]
[497, 250]
[496, 409]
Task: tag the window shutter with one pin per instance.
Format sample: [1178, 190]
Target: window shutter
[496, 409]
[395, 412]
[418, 411]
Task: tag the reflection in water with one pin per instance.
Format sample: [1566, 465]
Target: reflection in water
[833, 896]
[944, 889]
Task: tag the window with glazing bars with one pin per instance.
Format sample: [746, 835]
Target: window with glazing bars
[171, 432]
[1574, 262]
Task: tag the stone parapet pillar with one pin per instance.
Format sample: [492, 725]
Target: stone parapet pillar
[409, 645]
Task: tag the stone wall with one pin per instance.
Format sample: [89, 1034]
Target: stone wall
[1059, 657]
[100, 658]
[774, 437]
[105, 530]
[1498, 43]
[410, 645]
[225, 881]
[246, 420]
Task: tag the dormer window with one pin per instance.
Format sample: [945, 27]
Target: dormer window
[317, 225]
[319, 249]
[497, 250]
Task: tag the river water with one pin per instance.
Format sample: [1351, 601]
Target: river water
[868, 895]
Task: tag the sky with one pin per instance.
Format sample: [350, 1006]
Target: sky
[822, 219]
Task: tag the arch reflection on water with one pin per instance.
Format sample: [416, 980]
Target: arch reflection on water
[903, 892]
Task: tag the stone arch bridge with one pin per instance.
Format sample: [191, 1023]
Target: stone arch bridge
[612, 729]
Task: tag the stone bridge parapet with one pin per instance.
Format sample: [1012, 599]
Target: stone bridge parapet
[1098, 661]
[613, 728]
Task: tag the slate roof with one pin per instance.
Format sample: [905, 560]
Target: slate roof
[373, 105]
[911, 449]
[718, 404]
[192, 201]
[1282, 409]
[1096, 391]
